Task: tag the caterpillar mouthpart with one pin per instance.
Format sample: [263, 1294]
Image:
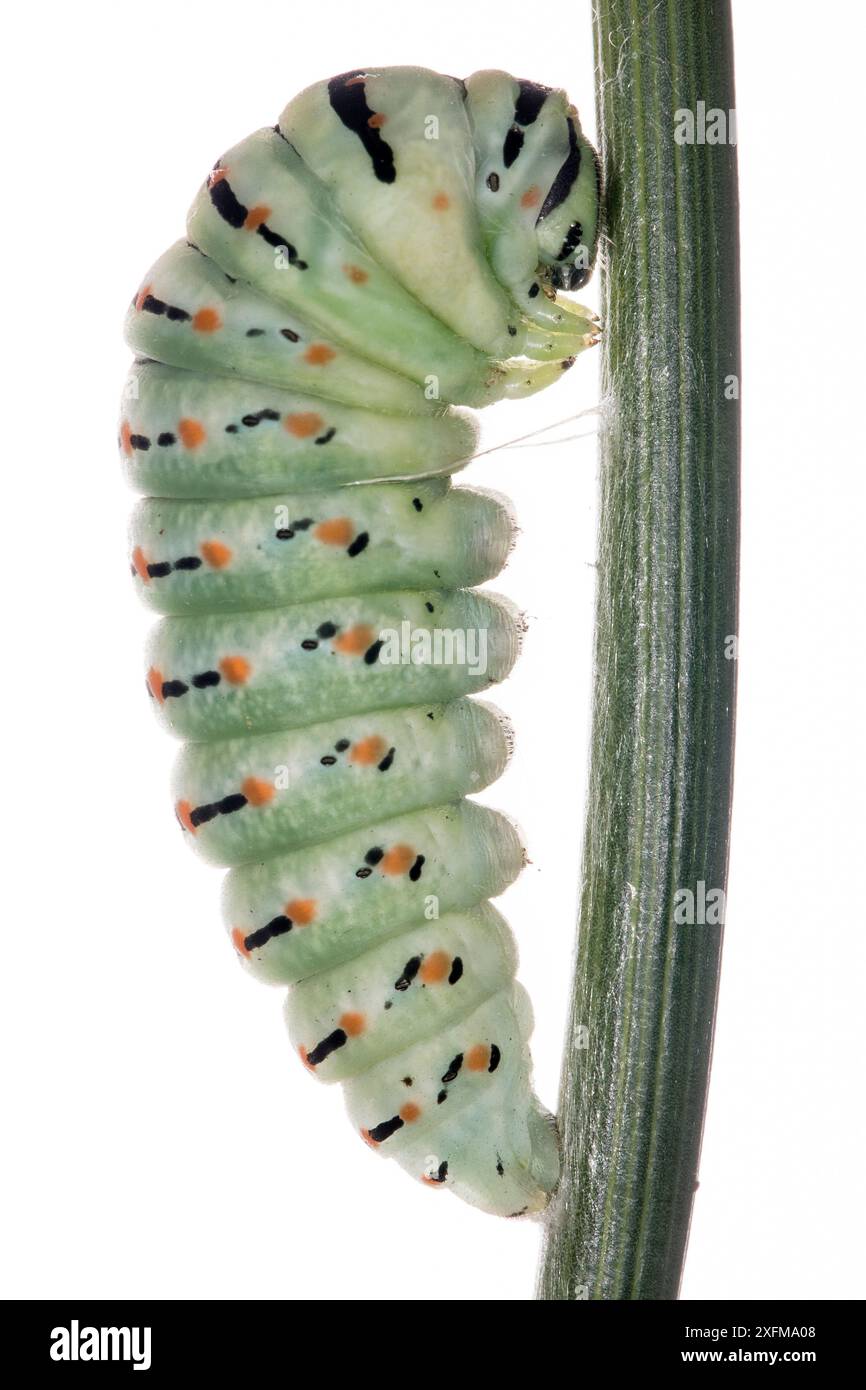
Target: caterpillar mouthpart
[391, 249]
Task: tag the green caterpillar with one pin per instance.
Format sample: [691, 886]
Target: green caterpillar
[392, 248]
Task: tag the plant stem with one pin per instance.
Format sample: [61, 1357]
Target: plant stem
[638, 1049]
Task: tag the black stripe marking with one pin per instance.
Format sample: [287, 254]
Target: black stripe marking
[278, 926]
[386, 1129]
[230, 208]
[326, 1047]
[202, 814]
[173, 688]
[566, 178]
[326, 437]
[456, 971]
[415, 871]
[495, 1057]
[361, 541]
[387, 760]
[441, 1173]
[349, 100]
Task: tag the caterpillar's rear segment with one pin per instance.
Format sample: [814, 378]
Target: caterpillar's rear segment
[394, 244]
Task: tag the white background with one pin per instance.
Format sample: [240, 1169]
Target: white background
[160, 1140]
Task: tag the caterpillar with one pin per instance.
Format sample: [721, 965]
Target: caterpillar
[392, 250]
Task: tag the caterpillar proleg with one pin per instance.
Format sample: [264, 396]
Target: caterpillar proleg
[392, 250]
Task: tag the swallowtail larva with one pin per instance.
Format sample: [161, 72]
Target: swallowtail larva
[393, 247]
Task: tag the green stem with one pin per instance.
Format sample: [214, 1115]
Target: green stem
[640, 1033]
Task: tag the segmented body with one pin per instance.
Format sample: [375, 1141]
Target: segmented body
[391, 248]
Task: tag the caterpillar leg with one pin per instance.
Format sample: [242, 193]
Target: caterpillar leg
[393, 248]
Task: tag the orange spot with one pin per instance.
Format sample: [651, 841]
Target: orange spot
[236, 669]
[206, 321]
[357, 81]
[337, 531]
[368, 1139]
[434, 968]
[431, 1182]
[530, 197]
[353, 1024]
[126, 438]
[377, 120]
[478, 1057]
[319, 354]
[257, 792]
[216, 176]
[409, 1112]
[398, 860]
[441, 202]
[139, 564]
[255, 217]
[302, 911]
[368, 750]
[302, 1053]
[192, 433]
[216, 554]
[154, 684]
[303, 425]
[354, 641]
[182, 811]
[238, 942]
[142, 296]
[356, 274]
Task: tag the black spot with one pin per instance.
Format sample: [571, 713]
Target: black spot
[206, 678]
[341, 745]
[285, 533]
[499, 1168]
[388, 759]
[417, 504]
[512, 146]
[512, 330]
[441, 1173]
[158, 571]
[429, 607]
[174, 688]
[495, 1057]
[531, 98]
[456, 971]
[371, 655]
[328, 760]
[410, 970]
[326, 630]
[374, 855]
[361, 541]
[453, 1069]
[415, 871]
[165, 439]
[309, 644]
[493, 182]
[140, 441]
[407, 1081]
[188, 562]
[304, 524]
[443, 1095]
[534, 291]
[290, 333]
[363, 873]
[231, 429]
[255, 332]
